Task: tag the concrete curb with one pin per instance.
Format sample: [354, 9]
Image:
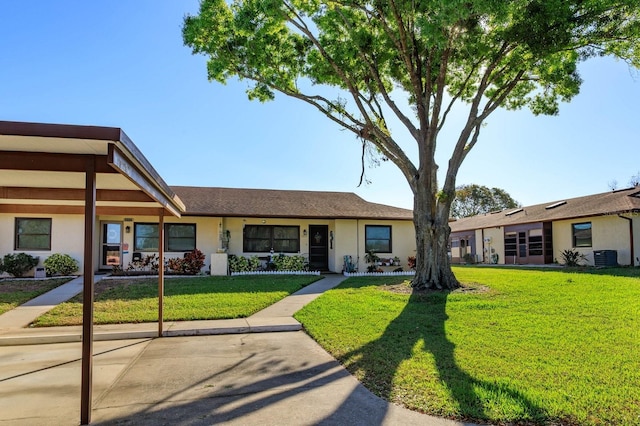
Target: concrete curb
[150, 330]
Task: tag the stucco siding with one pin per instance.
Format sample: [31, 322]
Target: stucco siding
[491, 242]
[403, 241]
[207, 236]
[67, 236]
[607, 233]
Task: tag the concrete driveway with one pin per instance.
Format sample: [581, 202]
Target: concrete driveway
[239, 379]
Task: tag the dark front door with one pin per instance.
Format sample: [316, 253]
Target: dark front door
[318, 247]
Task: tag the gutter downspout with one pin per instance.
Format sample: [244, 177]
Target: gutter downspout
[633, 257]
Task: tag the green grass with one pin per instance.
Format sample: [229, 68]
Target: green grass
[14, 293]
[528, 346]
[199, 298]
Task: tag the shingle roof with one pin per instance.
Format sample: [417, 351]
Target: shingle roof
[237, 202]
[607, 203]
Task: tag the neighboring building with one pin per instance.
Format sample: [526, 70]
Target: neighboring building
[42, 211]
[604, 227]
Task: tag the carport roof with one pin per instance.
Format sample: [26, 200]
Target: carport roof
[42, 170]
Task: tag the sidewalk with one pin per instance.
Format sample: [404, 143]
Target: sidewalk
[277, 317]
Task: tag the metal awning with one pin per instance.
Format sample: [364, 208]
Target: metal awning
[88, 170]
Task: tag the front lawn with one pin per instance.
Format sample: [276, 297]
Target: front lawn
[14, 293]
[522, 346]
[194, 298]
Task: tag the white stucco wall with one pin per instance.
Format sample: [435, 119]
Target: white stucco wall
[67, 236]
[495, 245]
[403, 241]
[607, 233]
[207, 236]
[348, 237]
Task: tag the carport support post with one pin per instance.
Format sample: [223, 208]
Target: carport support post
[87, 295]
[160, 271]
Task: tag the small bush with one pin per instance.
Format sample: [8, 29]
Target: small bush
[148, 263]
[243, 264]
[572, 257]
[411, 262]
[190, 264]
[283, 262]
[19, 264]
[60, 264]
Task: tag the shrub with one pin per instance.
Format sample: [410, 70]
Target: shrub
[572, 257]
[1, 266]
[194, 261]
[283, 262]
[411, 262]
[149, 263]
[243, 264]
[19, 264]
[60, 264]
[190, 264]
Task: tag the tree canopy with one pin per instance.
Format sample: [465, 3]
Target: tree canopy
[475, 199]
[379, 57]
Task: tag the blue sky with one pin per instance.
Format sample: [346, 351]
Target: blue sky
[123, 64]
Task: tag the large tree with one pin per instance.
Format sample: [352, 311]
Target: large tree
[360, 63]
[475, 199]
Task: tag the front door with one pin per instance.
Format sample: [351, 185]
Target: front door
[111, 245]
[318, 247]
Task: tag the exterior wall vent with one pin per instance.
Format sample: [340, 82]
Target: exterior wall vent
[554, 205]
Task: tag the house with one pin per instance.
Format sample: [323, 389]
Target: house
[604, 227]
[43, 174]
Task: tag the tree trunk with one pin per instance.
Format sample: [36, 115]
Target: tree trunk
[433, 268]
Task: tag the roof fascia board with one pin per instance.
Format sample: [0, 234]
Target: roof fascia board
[122, 164]
[67, 131]
[255, 216]
[28, 193]
[66, 209]
[51, 162]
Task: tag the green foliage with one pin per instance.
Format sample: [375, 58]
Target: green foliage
[475, 199]
[60, 264]
[282, 262]
[243, 264]
[359, 63]
[572, 257]
[19, 264]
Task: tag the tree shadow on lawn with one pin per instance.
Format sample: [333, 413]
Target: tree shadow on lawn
[423, 320]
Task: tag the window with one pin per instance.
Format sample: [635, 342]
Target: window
[535, 242]
[178, 237]
[581, 233]
[33, 234]
[377, 238]
[511, 244]
[145, 237]
[263, 238]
